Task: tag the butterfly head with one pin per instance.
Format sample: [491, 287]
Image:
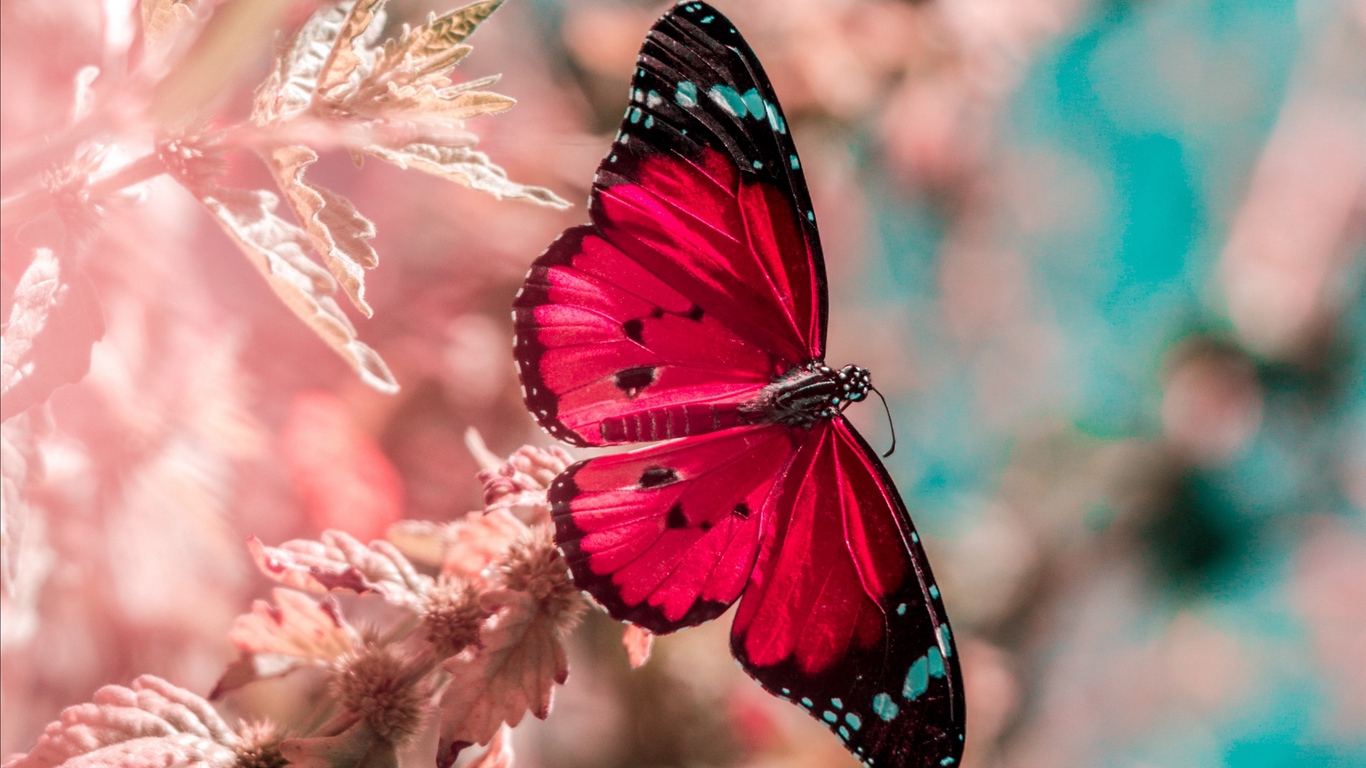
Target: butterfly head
[802, 396]
[854, 384]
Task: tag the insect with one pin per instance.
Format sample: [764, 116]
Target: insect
[692, 310]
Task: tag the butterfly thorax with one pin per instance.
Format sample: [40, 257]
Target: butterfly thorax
[805, 394]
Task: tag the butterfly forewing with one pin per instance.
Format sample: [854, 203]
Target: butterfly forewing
[701, 277]
[843, 617]
[665, 537]
[703, 184]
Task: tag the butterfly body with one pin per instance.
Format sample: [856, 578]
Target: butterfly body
[806, 394]
[692, 310]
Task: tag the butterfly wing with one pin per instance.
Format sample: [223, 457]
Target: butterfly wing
[700, 278]
[666, 536]
[843, 617]
[610, 353]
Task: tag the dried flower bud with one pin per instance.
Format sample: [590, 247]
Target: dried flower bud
[385, 690]
[534, 565]
[452, 616]
[259, 746]
[540, 464]
[521, 480]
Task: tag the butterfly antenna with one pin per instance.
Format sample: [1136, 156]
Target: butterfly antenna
[890, 425]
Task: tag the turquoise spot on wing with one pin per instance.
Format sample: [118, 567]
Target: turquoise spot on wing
[754, 103]
[649, 121]
[829, 717]
[917, 679]
[635, 115]
[944, 639]
[915, 537]
[934, 588]
[707, 19]
[936, 662]
[727, 99]
[837, 703]
[758, 164]
[901, 610]
[748, 104]
[884, 707]
[795, 163]
[853, 720]
[686, 95]
[947, 761]
[808, 703]
[811, 216]
[844, 733]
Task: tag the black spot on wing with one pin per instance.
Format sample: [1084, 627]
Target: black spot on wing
[634, 330]
[633, 380]
[653, 477]
[676, 518]
[741, 511]
[695, 314]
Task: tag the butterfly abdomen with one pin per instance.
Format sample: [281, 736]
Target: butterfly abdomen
[672, 421]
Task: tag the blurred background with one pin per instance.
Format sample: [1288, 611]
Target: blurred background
[1104, 258]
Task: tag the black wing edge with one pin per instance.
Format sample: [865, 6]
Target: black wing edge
[527, 350]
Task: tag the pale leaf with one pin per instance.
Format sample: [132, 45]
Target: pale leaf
[499, 754]
[339, 561]
[425, 101]
[289, 88]
[279, 250]
[150, 725]
[478, 540]
[252, 667]
[355, 745]
[344, 61]
[463, 166]
[463, 548]
[297, 625]
[338, 231]
[165, 21]
[519, 484]
[638, 642]
[53, 323]
[421, 541]
[416, 56]
[453, 27]
[514, 669]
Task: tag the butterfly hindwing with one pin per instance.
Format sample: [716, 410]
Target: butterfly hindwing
[666, 536]
[843, 617]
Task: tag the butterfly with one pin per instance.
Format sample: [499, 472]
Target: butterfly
[692, 310]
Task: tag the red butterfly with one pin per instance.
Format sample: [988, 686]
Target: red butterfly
[693, 310]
